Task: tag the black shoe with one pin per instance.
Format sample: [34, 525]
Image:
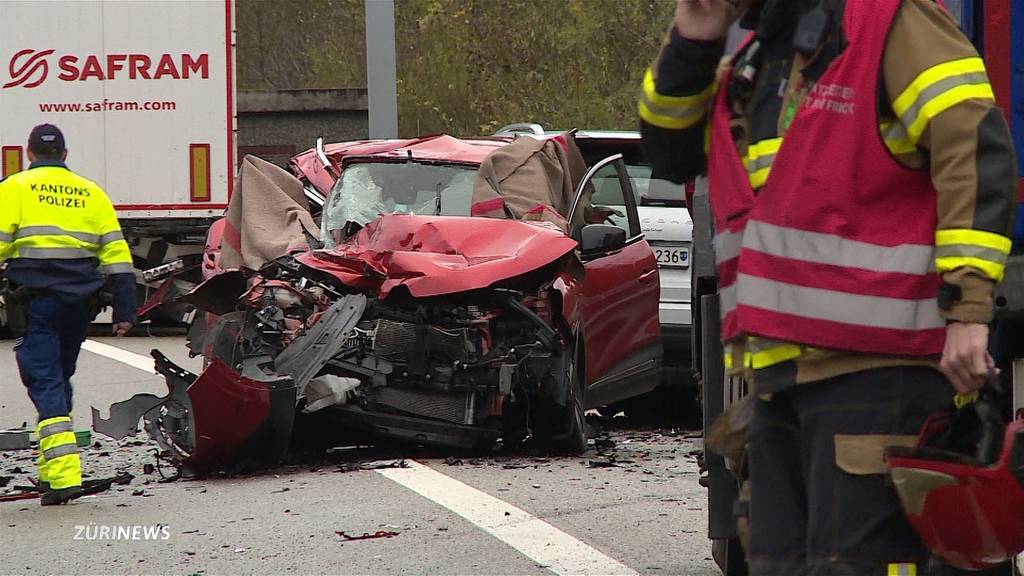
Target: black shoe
[60, 495]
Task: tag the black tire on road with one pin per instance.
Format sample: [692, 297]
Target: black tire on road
[574, 438]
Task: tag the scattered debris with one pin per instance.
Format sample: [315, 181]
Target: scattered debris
[14, 440]
[453, 461]
[148, 468]
[18, 496]
[367, 535]
[285, 489]
[366, 466]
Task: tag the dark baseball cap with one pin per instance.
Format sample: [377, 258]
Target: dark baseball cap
[46, 139]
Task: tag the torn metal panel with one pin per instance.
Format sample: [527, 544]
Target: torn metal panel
[308, 353]
[221, 419]
[125, 416]
[219, 294]
[242, 420]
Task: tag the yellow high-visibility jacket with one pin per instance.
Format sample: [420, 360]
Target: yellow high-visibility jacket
[60, 233]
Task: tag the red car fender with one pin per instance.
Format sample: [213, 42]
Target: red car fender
[568, 288]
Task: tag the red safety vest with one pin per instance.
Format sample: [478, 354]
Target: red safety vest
[837, 248]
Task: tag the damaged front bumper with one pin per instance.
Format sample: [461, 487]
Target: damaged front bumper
[221, 419]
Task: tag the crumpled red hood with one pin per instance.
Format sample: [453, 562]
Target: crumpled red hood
[435, 255]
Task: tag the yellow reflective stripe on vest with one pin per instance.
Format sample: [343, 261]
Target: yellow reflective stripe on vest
[765, 352]
[729, 353]
[36, 231]
[5, 237]
[117, 268]
[939, 88]
[758, 161]
[902, 569]
[761, 353]
[986, 251]
[822, 248]
[55, 253]
[894, 135]
[835, 306]
[671, 112]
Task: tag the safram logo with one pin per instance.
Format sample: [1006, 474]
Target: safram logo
[28, 68]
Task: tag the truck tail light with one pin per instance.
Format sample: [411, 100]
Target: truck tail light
[199, 172]
[11, 160]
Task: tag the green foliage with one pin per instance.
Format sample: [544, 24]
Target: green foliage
[295, 44]
[467, 66]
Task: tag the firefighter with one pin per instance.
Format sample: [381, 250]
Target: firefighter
[61, 240]
[861, 181]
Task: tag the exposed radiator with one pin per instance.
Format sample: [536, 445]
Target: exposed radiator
[457, 408]
[402, 340]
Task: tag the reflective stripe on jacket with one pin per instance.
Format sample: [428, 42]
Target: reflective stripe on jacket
[49, 212]
[823, 239]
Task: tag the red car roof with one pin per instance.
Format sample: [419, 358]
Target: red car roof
[438, 147]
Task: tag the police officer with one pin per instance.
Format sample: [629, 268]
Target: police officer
[62, 242]
[862, 183]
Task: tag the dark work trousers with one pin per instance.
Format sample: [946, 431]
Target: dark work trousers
[809, 514]
[48, 352]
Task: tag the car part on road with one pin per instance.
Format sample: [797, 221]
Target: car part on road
[224, 418]
[367, 535]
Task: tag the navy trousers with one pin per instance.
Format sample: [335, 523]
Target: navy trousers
[48, 352]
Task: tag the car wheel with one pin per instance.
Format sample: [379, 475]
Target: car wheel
[574, 439]
[728, 554]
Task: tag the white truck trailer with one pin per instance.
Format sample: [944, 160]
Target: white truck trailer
[144, 93]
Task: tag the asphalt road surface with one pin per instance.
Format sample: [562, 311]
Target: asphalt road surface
[631, 505]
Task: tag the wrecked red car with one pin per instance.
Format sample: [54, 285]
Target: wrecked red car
[451, 292]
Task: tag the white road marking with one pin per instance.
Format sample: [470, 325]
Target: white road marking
[538, 540]
[144, 363]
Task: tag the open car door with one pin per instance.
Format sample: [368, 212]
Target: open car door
[620, 288]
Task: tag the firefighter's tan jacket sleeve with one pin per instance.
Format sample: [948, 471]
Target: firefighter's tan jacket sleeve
[944, 103]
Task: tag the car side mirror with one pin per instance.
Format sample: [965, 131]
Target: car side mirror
[600, 239]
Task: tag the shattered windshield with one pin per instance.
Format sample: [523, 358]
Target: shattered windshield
[370, 189]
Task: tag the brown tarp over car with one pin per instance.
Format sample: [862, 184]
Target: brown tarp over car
[531, 179]
[267, 217]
